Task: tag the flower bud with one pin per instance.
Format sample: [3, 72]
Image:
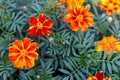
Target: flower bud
[110, 19]
[24, 8]
[38, 76]
[51, 40]
[89, 6]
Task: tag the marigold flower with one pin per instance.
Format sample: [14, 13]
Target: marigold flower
[109, 43]
[40, 25]
[22, 53]
[72, 3]
[79, 18]
[110, 6]
[99, 76]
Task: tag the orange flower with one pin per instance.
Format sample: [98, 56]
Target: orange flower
[99, 76]
[22, 53]
[40, 25]
[110, 6]
[109, 43]
[72, 3]
[79, 18]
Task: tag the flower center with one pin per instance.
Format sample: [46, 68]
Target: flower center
[79, 18]
[111, 6]
[23, 52]
[39, 25]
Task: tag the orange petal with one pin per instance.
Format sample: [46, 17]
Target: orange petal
[71, 11]
[84, 26]
[39, 33]
[13, 56]
[107, 79]
[85, 9]
[18, 63]
[48, 23]
[74, 26]
[13, 49]
[19, 44]
[33, 20]
[42, 17]
[69, 18]
[33, 47]
[29, 62]
[90, 21]
[92, 78]
[27, 43]
[32, 30]
[46, 31]
[33, 55]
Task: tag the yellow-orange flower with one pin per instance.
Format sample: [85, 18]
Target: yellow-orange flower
[110, 6]
[40, 25]
[22, 53]
[109, 43]
[79, 18]
[99, 76]
[72, 3]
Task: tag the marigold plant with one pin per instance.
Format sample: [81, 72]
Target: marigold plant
[22, 53]
[59, 39]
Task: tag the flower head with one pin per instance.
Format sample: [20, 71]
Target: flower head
[99, 76]
[72, 3]
[22, 53]
[110, 44]
[40, 25]
[110, 6]
[79, 18]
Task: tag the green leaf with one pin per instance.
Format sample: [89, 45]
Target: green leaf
[64, 71]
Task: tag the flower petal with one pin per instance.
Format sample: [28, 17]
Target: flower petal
[46, 31]
[14, 49]
[18, 63]
[33, 20]
[29, 62]
[33, 47]
[69, 18]
[48, 23]
[74, 26]
[39, 33]
[33, 55]
[27, 43]
[19, 44]
[84, 26]
[32, 30]
[13, 56]
[42, 17]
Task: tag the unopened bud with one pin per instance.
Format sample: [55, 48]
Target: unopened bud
[38, 76]
[51, 40]
[110, 19]
[63, 42]
[89, 6]
[24, 8]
